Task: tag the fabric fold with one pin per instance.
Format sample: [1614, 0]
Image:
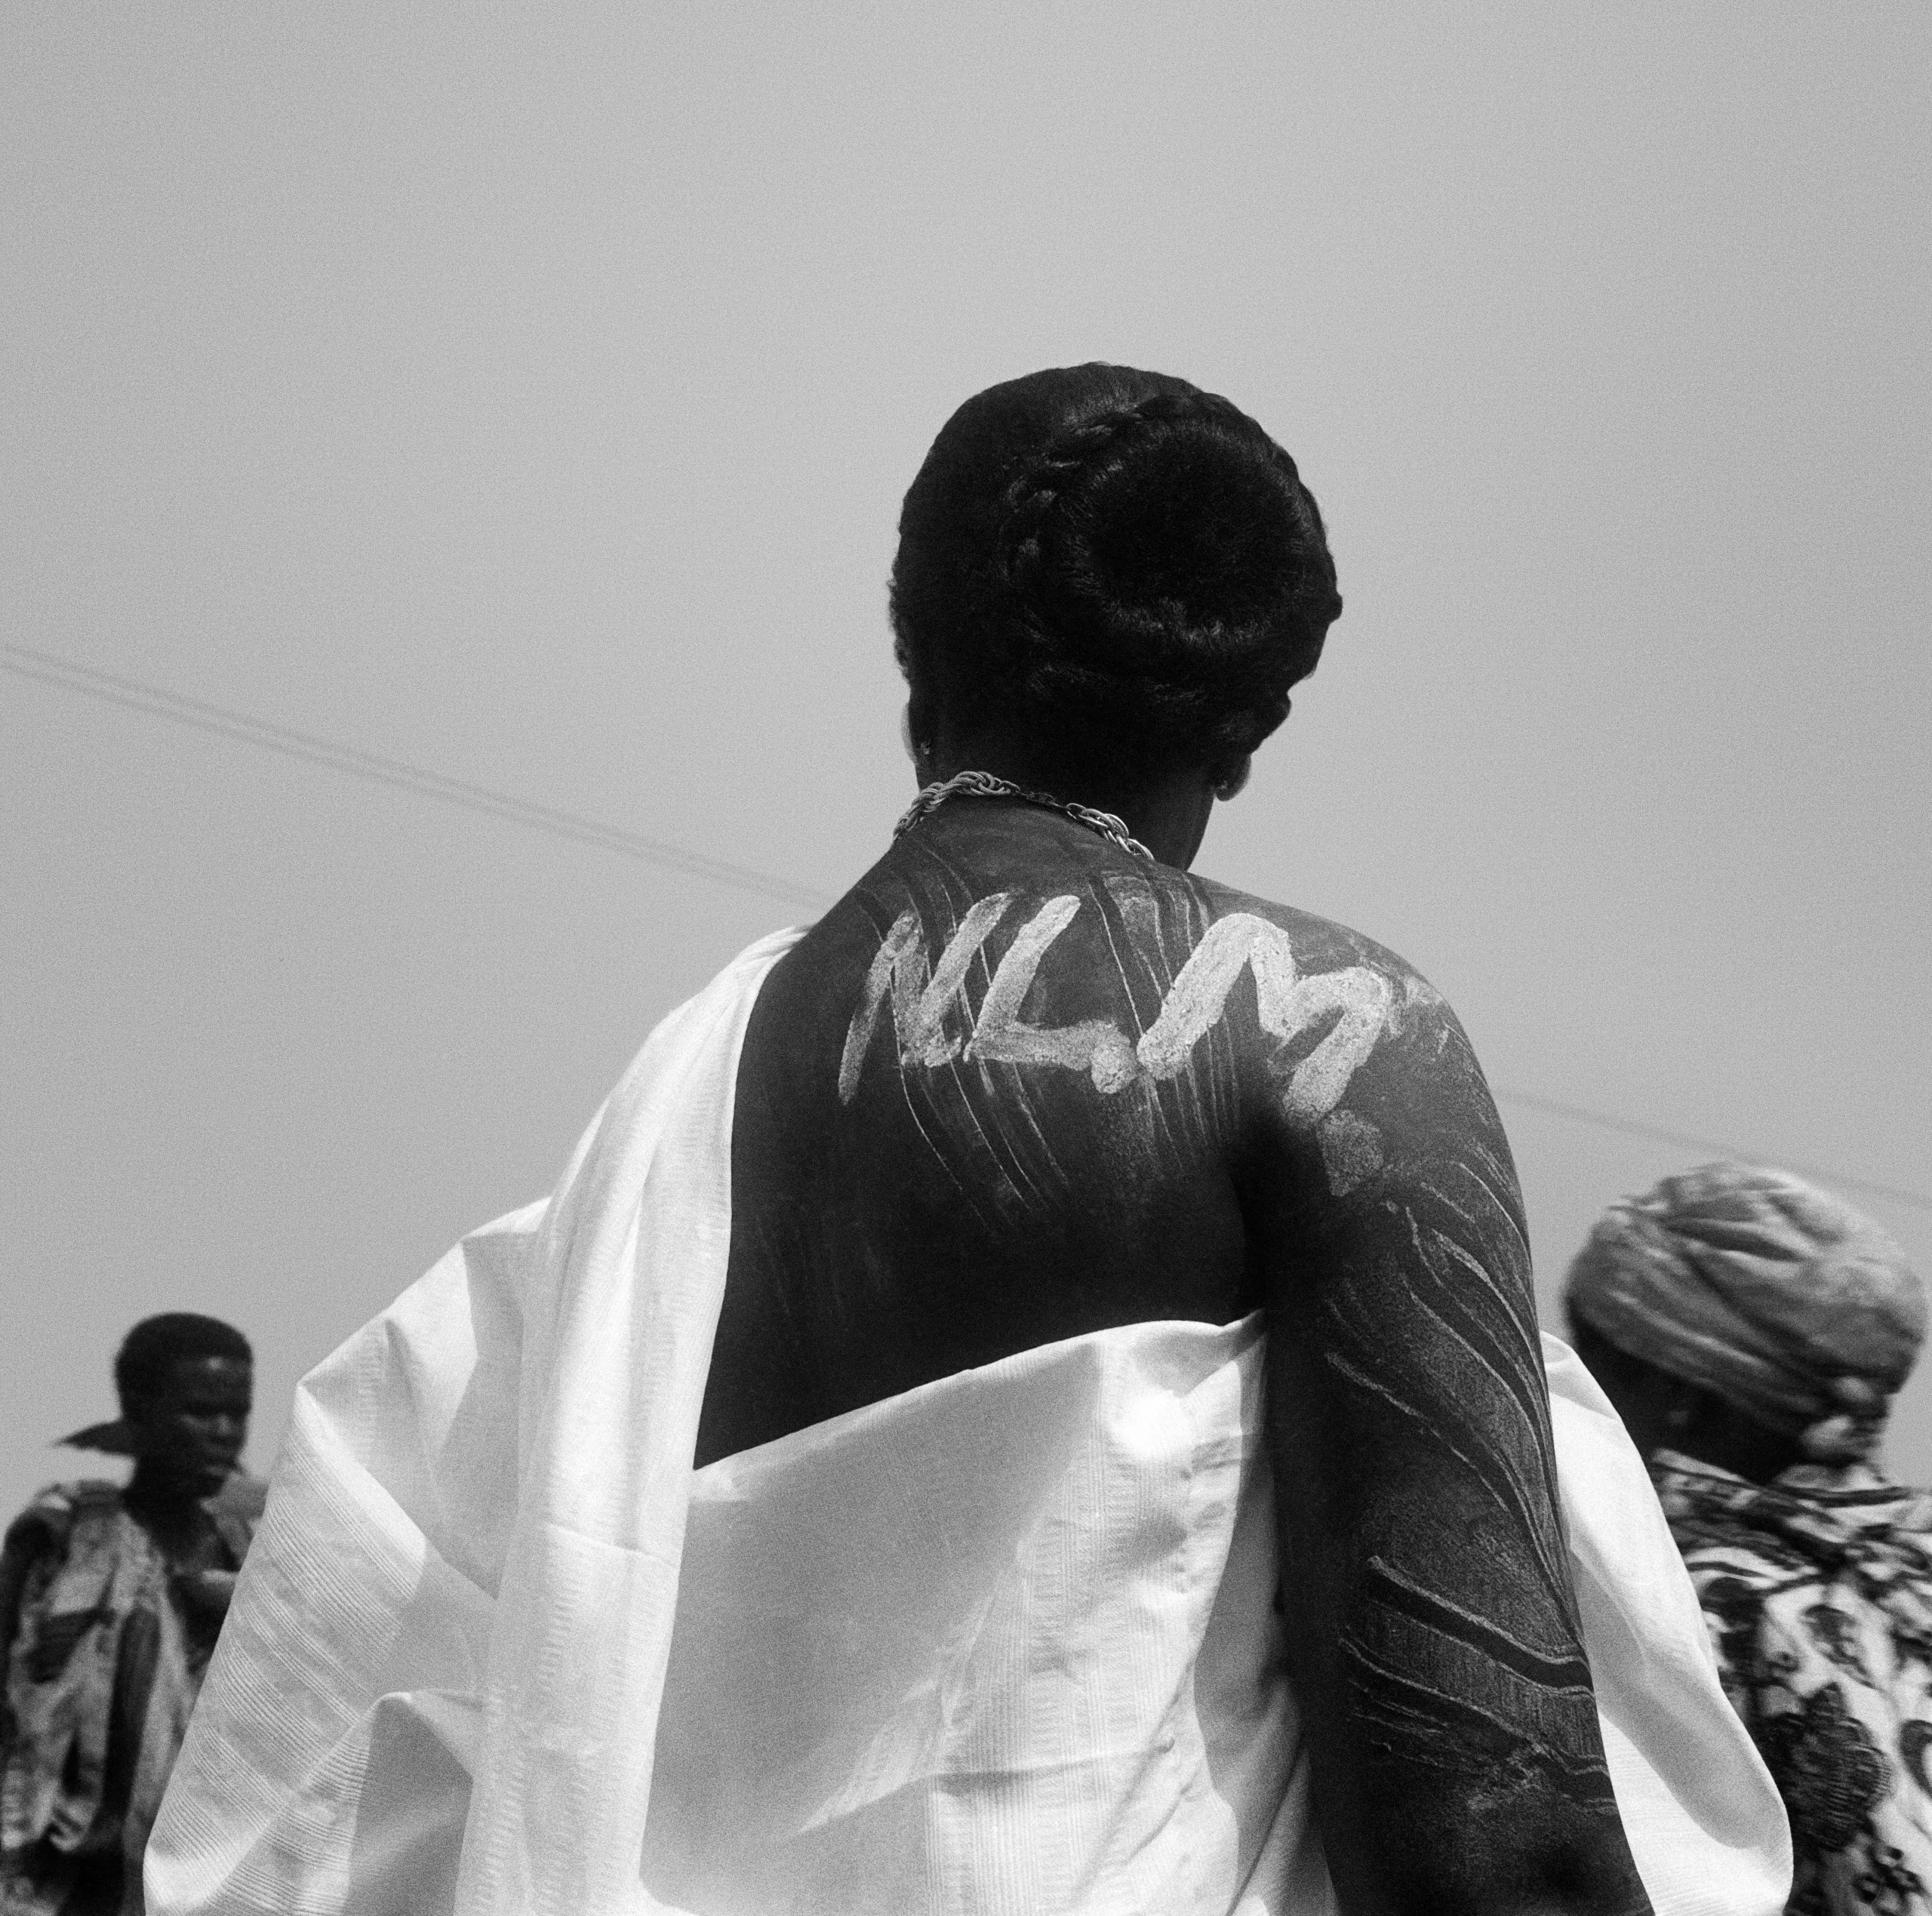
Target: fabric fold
[1008, 1643]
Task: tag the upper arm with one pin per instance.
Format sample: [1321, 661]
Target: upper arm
[1432, 1625]
[1410, 1398]
[28, 1539]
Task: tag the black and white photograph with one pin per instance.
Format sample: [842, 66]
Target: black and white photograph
[965, 961]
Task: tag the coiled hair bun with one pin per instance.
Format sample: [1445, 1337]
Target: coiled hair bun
[1127, 567]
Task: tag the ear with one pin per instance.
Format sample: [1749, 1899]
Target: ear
[922, 720]
[1232, 778]
[918, 728]
[136, 1422]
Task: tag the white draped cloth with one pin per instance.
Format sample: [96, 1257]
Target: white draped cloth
[1006, 1645]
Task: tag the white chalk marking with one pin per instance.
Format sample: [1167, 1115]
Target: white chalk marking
[1351, 1150]
[1287, 1005]
[1363, 998]
[1097, 1045]
[919, 1006]
[1362, 1002]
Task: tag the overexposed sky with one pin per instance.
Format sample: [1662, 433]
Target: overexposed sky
[528, 394]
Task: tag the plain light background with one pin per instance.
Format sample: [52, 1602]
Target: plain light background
[527, 393]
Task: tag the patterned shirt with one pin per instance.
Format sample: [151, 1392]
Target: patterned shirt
[104, 1667]
[1817, 1591]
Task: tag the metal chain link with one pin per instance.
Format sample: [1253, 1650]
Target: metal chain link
[984, 785]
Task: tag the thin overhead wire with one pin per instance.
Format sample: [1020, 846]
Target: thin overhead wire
[138, 696]
[1716, 1147]
[358, 763]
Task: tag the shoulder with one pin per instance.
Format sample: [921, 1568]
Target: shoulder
[1319, 944]
[1362, 1073]
[50, 1518]
[1313, 976]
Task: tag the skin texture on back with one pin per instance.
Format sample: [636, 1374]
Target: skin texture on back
[1018, 1086]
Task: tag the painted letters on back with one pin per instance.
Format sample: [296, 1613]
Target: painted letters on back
[934, 1023]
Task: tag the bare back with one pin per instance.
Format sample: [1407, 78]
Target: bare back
[1020, 1086]
[946, 1148]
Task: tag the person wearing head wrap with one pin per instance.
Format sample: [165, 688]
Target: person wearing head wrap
[1752, 1330]
[111, 1598]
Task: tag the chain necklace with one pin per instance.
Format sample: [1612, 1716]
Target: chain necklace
[983, 785]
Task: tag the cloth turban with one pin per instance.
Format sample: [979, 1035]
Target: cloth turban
[1773, 1295]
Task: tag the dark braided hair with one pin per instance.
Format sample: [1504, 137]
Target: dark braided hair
[1128, 567]
[155, 1345]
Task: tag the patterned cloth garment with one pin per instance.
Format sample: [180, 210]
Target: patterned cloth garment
[103, 1670]
[1817, 1592]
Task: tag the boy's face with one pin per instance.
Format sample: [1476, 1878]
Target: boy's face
[190, 1432]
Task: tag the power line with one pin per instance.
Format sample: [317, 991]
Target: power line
[138, 696]
[1608, 1121]
[132, 692]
